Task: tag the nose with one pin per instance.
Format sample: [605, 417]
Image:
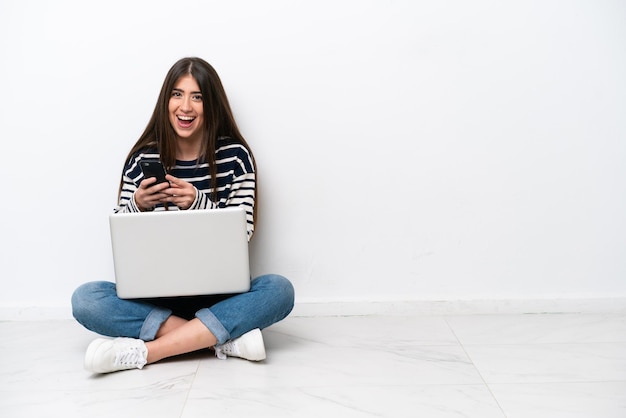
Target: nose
[185, 106]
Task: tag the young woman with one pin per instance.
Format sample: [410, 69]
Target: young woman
[210, 166]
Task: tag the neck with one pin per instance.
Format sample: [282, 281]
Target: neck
[187, 150]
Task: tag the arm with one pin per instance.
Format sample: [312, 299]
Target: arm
[236, 184]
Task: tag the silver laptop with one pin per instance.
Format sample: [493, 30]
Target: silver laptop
[180, 253]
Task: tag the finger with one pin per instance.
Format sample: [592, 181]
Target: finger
[161, 187]
[147, 182]
[181, 201]
[157, 188]
[160, 195]
[174, 181]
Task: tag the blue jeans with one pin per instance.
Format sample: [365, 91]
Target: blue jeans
[98, 308]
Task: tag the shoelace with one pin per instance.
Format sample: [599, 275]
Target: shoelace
[224, 349]
[132, 356]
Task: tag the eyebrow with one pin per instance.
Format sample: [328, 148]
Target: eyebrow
[182, 91]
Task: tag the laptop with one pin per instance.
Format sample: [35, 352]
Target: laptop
[180, 253]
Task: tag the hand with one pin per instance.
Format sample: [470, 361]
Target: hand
[180, 193]
[149, 194]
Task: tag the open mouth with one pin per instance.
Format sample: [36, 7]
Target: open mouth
[185, 121]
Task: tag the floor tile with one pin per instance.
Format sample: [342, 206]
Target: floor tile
[347, 401]
[38, 361]
[93, 403]
[301, 362]
[359, 331]
[538, 329]
[562, 400]
[540, 363]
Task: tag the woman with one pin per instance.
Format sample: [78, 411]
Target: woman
[210, 166]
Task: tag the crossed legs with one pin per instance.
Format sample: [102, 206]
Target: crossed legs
[179, 336]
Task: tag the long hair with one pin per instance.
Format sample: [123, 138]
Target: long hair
[218, 119]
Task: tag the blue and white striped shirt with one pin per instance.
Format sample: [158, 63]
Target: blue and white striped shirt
[236, 181]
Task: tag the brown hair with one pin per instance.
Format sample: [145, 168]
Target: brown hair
[218, 118]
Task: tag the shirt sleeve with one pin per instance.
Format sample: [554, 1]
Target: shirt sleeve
[131, 177]
[236, 184]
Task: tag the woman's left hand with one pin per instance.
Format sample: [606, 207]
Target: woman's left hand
[180, 193]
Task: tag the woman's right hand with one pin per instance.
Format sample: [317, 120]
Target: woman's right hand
[148, 195]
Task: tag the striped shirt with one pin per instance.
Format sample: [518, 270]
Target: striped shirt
[236, 182]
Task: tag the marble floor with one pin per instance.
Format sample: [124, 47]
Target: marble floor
[567, 365]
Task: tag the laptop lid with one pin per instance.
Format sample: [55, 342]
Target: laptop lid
[180, 253]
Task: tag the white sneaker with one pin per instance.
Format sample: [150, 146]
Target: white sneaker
[106, 355]
[249, 346]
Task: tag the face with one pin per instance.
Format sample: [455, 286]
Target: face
[185, 108]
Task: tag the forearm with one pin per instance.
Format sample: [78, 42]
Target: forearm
[127, 203]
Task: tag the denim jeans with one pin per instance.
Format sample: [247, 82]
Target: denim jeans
[98, 308]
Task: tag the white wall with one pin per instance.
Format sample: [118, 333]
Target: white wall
[408, 150]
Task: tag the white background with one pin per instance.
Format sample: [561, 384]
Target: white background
[408, 150]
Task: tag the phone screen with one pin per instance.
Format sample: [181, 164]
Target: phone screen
[153, 168]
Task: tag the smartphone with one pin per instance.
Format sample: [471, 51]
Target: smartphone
[153, 168]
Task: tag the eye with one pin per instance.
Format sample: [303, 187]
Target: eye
[176, 93]
[196, 97]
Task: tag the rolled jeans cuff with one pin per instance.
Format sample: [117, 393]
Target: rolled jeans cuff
[153, 322]
[214, 325]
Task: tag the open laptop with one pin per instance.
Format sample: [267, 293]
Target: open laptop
[180, 253]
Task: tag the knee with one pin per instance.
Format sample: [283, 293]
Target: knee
[85, 297]
[280, 287]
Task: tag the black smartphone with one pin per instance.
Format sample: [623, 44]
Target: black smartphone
[153, 168]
